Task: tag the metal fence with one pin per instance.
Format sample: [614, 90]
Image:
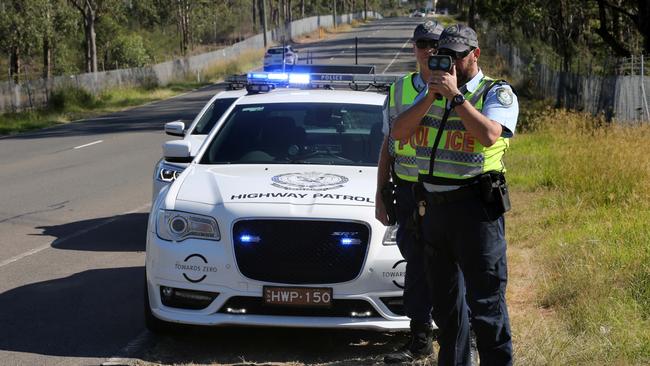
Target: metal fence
[35, 93]
[623, 96]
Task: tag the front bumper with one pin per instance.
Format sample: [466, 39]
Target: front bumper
[210, 266]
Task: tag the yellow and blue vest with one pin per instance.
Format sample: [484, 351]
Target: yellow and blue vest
[459, 156]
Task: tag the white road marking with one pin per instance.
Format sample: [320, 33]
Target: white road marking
[331, 58]
[71, 236]
[396, 55]
[89, 144]
[134, 345]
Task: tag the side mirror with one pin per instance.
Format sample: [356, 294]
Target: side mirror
[177, 151]
[176, 128]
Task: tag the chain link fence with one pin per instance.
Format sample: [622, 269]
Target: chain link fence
[619, 91]
[36, 93]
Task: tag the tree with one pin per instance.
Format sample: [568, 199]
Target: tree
[91, 11]
[638, 12]
[21, 27]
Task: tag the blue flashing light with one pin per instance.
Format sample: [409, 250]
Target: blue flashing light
[249, 239]
[275, 76]
[299, 78]
[350, 241]
[258, 76]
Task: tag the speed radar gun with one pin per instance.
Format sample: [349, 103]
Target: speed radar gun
[440, 63]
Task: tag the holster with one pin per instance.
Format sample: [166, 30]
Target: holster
[494, 191]
[416, 219]
[388, 198]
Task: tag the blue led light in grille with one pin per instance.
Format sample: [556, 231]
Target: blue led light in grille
[350, 241]
[249, 239]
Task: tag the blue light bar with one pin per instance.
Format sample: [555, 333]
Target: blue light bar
[279, 78]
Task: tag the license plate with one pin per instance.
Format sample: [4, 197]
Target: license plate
[298, 296]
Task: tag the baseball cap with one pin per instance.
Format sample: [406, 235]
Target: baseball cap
[428, 30]
[458, 37]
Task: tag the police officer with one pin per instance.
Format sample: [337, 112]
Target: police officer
[467, 119]
[397, 158]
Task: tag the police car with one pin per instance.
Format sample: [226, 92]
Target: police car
[272, 222]
[165, 172]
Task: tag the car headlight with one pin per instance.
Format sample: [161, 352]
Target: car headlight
[178, 226]
[390, 237]
[167, 173]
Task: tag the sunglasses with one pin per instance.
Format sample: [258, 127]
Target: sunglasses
[424, 44]
[454, 54]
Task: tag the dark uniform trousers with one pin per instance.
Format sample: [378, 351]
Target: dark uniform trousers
[417, 300]
[466, 266]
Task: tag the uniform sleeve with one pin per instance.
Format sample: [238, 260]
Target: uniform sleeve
[501, 105]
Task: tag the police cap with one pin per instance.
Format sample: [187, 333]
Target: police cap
[428, 30]
[459, 38]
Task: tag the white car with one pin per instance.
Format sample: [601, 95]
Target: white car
[418, 14]
[273, 224]
[277, 57]
[166, 171]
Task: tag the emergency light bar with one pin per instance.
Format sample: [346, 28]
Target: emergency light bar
[256, 82]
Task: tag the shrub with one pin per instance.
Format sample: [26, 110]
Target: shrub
[69, 98]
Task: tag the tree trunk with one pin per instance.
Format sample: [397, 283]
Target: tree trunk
[254, 15]
[47, 48]
[365, 9]
[263, 19]
[302, 9]
[47, 58]
[643, 22]
[334, 12]
[183, 26]
[472, 14]
[289, 12]
[91, 47]
[14, 64]
[90, 36]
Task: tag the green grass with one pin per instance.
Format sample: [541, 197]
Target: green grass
[584, 187]
[73, 104]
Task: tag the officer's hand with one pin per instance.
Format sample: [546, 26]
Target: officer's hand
[444, 83]
[380, 210]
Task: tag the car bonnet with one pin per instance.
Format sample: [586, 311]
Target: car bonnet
[288, 184]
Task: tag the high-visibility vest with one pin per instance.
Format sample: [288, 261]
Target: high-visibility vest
[402, 94]
[459, 156]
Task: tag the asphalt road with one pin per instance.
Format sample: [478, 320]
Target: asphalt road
[74, 203]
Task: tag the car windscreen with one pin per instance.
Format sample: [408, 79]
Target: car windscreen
[300, 133]
[212, 115]
[278, 51]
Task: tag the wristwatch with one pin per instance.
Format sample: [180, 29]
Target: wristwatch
[458, 99]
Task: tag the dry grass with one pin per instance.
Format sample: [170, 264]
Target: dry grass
[580, 241]
[247, 60]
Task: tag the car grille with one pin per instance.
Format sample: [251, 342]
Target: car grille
[339, 308]
[300, 251]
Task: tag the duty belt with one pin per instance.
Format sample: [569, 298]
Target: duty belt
[462, 193]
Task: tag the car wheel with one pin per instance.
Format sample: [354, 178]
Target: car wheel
[152, 323]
